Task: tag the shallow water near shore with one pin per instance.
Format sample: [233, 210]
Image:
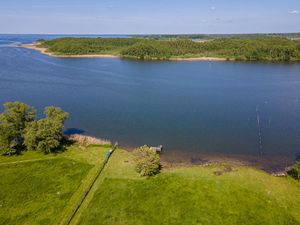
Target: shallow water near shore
[249, 110]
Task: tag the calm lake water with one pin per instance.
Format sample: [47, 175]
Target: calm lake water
[211, 108]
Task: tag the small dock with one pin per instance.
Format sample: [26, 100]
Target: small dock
[158, 149]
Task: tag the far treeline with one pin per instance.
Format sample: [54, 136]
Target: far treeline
[236, 48]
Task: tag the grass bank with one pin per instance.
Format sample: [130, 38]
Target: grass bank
[44, 191]
[219, 194]
[36, 192]
[36, 188]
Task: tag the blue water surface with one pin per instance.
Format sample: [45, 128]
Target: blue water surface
[201, 107]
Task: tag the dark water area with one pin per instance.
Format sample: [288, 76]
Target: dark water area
[195, 109]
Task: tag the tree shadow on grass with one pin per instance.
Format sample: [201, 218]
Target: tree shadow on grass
[65, 143]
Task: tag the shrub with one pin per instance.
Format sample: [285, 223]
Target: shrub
[147, 161]
[295, 171]
[84, 140]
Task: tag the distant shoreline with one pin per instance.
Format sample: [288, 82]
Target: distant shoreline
[44, 51]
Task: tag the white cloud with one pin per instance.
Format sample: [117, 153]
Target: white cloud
[294, 12]
[213, 8]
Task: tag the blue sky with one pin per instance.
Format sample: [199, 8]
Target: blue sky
[151, 16]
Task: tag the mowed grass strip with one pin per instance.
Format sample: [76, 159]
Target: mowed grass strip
[193, 195]
[36, 192]
[79, 196]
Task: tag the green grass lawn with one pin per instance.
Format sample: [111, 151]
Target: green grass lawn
[192, 195]
[38, 189]
[35, 188]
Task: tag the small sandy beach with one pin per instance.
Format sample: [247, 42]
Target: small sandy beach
[200, 59]
[44, 51]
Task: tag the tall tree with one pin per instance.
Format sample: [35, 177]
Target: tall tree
[46, 134]
[13, 121]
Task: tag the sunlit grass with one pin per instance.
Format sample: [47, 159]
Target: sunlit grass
[35, 188]
[36, 192]
[193, 195]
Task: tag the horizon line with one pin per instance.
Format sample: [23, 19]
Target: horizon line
[135, 34]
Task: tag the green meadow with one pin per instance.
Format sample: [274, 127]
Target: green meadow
[44, 190]
[35, 188]
[218, 194]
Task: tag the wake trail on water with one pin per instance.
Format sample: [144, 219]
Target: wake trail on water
[9, 43]
[77, 68]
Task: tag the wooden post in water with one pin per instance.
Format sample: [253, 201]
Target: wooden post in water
[259, 131]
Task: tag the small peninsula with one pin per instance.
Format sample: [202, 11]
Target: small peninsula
[261, 48]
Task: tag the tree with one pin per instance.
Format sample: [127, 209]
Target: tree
[46, 134]
[13, 121]
[6, 137]
[295, 171]
[147, 161]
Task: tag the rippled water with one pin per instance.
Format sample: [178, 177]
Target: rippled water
[228, 108]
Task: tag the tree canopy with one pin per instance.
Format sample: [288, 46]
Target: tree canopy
[46, 134]
[263, 48]
[13, 121]
[18, 127]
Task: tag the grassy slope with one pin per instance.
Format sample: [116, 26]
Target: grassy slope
[192, 196]
[36, 192]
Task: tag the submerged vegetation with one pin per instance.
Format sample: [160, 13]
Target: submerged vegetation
[235, 48]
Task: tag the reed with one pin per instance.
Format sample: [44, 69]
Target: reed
[84, 140]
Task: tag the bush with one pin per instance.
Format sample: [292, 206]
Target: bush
[295, 171]
[85, 141]
[147, 161]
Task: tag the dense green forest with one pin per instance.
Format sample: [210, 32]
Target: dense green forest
[236, 48]
[215, 36]
[76, 46]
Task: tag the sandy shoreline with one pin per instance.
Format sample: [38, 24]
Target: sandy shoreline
[178, 158]
[44, 51]
[200, 59]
